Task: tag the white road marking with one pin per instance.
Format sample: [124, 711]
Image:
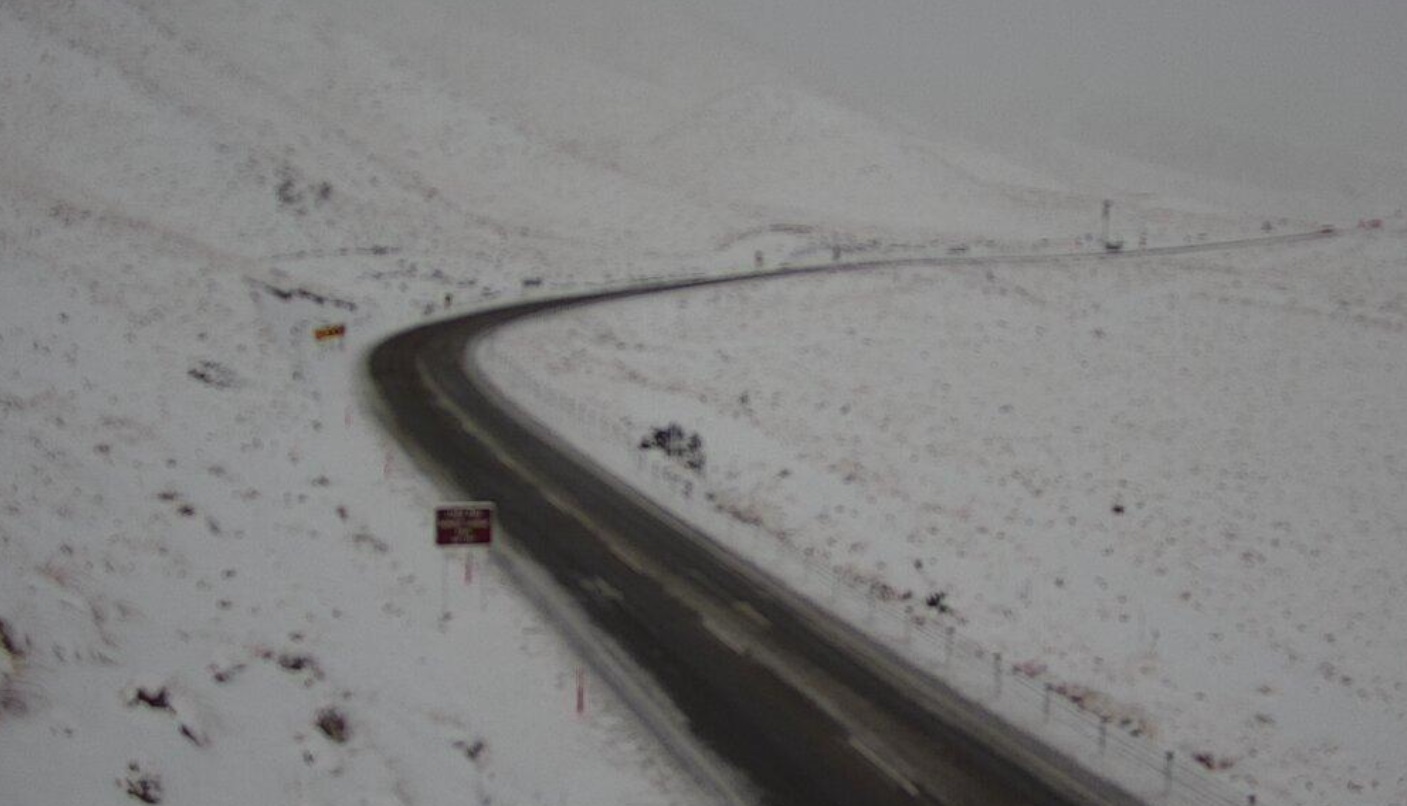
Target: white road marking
[751, 612]
[630, 558]
[603, 589]
[863, 748]
[556, 500]
[725, 635]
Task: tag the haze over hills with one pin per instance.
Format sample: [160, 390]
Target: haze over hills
[194, 497]
[1290, 97]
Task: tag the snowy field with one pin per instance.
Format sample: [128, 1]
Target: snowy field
[1168, 485]
[216, 577]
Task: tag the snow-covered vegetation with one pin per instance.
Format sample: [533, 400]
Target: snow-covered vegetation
[217, 583]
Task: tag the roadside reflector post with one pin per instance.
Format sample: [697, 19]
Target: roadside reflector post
[580, 690]
[997, 675]
[444, 589]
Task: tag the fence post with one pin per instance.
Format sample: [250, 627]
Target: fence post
[948, 645]
[1045, 703]
[1103, 733]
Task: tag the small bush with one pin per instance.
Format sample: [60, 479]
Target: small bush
[676, 444]
[333, 724]
[939, 601]
[159, 700]
[142, 786]
[213, 373]
[8, 642]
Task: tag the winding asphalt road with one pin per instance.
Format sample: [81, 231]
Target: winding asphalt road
[812, 711]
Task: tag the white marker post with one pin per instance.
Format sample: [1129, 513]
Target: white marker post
[458, 528]
[580, 691]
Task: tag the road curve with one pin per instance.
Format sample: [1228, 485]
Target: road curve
[811, 710]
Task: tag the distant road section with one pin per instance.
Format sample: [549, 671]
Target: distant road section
[811, 710]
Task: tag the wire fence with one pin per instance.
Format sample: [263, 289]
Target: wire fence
[1016, 693]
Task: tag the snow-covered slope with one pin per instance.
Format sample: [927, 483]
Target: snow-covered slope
[1169, 483]
[193, 499]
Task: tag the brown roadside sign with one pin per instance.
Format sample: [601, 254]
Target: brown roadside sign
[466, 524]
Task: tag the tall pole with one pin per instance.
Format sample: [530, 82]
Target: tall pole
[1104, 219]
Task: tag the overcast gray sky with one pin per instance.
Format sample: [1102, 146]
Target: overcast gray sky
[1328, 72]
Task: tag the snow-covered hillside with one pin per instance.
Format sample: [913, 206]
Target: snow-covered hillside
[215, 571]
[1170, 484]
